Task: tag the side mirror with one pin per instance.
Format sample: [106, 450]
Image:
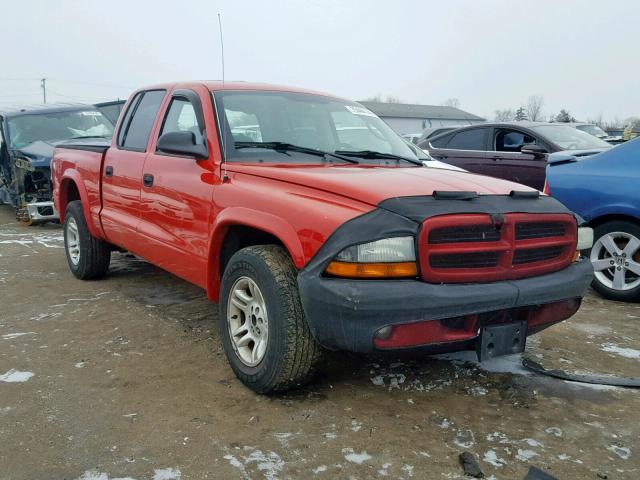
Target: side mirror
[536, 150]
[182, 143]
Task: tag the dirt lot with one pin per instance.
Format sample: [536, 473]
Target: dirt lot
[125, 377]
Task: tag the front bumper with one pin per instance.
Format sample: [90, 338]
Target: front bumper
[41, 212]
[346, 314]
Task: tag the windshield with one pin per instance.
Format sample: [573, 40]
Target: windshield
[304, 120]
[594, 130]
[56, 126]
[569, 138]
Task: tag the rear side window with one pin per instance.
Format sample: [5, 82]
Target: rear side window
[441, 142]
[136, 126]
[474, 139]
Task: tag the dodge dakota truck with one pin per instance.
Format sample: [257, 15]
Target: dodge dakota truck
[314, 226]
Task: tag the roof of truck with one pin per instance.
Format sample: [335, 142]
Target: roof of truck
[217, 85]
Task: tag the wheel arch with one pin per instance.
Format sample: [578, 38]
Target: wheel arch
[610, 217]
[72, 189]
[239, 227]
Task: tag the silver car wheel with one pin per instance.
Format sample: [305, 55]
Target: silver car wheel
[616, 261]
[247, 321]
[73, 241]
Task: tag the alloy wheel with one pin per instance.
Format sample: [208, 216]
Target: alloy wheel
[616, 260]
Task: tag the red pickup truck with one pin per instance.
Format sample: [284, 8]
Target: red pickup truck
[314, 225]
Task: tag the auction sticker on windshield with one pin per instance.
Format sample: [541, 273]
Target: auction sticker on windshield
[358, 110]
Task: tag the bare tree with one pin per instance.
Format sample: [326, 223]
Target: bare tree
[506, 115]
[380, 99]
[451, 102]
[534, 108]
[392, 99]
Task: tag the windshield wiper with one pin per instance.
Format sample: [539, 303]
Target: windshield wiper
[284, 147]
[379, 155]
[88, 136]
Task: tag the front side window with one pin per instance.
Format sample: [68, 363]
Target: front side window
[594, 130]
[303, 120]
[474, 139]
[511, 140]
[26, 129]
[135, 132]
[181, 117]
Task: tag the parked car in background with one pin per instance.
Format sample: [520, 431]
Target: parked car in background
[111, 110]
[321, 234]
[428, 133]
[513, 151]
[28, 136]
[596, 131]
[412, 137]
[604, 190]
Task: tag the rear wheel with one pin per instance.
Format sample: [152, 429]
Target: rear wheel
[265, 335]
[616, 260]
[88, 257]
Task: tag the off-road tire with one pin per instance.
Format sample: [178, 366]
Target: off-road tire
[291, 352]
[95, 254]
[632, 295]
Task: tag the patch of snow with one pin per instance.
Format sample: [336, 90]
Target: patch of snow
[356, 425]
[270, 463]
[464, 439]
[14, 376]
[621, 351]
[354, 457]
[408, 469]
[93, 475]
[498, 437]
[555, 431]
[283, 438]
[491, 457]
[445, 424]
[477, 391]
[564, 456]
[524, 455]
[533, 442]
[9, 336]
[320, 469]
[330, 435]
[79, 365]
[623, 452]
[167, 474]
[384, 471]
[505, 364]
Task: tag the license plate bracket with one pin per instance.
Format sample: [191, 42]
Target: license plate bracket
[502, 339]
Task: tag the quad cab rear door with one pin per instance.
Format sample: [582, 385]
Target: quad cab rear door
[122, 170]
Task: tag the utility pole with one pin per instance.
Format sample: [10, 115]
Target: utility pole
[43, 85]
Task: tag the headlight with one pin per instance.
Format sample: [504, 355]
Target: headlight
[585, 238]
[387, 258]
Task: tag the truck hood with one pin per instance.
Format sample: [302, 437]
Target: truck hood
[373, 184]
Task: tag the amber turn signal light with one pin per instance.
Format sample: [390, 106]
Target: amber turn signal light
[372, 270]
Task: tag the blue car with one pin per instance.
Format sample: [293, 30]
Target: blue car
[604, 189]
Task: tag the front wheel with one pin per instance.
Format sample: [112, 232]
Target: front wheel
[264, 332]
[616, 260]
[88, 257]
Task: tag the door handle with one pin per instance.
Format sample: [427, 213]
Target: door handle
[496, 158]
[108, 171]
[147, 180]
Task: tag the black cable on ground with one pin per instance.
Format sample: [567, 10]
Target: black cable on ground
[592, 379]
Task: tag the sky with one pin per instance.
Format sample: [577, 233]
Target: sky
[580, 55]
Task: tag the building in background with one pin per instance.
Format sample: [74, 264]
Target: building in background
[408, 118]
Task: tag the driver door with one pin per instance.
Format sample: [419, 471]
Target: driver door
[176, 195]
[508, 162]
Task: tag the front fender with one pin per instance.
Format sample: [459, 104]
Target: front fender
[272, 224]
[612, 209]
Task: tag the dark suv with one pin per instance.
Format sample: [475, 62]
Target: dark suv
[513, 151]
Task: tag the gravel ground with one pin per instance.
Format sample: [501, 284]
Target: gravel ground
[125, 377]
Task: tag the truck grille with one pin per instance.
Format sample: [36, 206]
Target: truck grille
[481, 248]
